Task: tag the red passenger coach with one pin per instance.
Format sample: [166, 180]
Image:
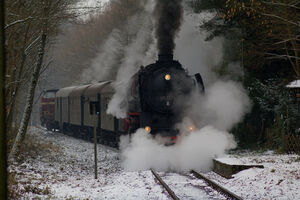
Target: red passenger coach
[47, 109]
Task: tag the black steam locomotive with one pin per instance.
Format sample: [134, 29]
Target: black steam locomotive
[156, 100]
[159, 94]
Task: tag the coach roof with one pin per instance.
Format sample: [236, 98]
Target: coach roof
[78, 91]
[65, 92]
[96, 88]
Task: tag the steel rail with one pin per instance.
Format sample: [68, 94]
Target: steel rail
[216, 186]
[171, 193]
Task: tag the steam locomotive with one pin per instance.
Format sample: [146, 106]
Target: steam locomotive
[155, 102]
[158, 96]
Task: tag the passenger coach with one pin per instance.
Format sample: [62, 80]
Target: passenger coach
[81, 108]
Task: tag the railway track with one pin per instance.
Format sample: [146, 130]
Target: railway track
[216, 186]
[221, 190]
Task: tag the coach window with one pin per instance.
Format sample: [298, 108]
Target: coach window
[93, 105]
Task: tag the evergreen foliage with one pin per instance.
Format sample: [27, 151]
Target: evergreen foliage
[274, 114]
[264, 37]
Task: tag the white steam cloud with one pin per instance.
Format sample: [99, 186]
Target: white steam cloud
[224, 105]
[103, 65]
[194, 151]
[140, 51]
[126, 48]
[193, 52]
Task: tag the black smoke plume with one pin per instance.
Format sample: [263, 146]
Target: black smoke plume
[168, 15]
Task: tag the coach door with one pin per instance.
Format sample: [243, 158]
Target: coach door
[68, 107]
[60, 112]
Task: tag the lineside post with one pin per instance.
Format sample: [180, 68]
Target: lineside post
[95, 142]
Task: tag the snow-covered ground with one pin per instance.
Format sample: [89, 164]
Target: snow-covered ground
[61, 167]
[294, 84]
[68, 173]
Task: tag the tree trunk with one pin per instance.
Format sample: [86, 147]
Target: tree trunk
[31, 91]
[3, 181]
[297, 58]
[12, 100]
[295, 64]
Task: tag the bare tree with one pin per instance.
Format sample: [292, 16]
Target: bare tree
[31, 91]
[28, 53]
[273, 29]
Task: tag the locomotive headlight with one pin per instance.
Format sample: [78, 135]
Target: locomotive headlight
[192, 128]
[148, 129]
[168, 77]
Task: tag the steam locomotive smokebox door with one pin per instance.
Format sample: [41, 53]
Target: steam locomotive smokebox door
[157, 122]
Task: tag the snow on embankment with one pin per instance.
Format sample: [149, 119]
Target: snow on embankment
[280, 178]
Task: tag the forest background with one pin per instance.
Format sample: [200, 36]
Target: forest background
[263, 36]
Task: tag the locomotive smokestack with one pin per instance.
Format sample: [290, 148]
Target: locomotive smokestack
[168, 14]
[165, 57]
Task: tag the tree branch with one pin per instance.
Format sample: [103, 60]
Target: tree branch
[281, 56]
[287, 40]
[17, 22]
[281, 4]
[275, 16]
[83, 8]
[46, 66]
[32, 43]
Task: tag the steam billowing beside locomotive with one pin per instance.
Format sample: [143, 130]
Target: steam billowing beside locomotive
[157, 99]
